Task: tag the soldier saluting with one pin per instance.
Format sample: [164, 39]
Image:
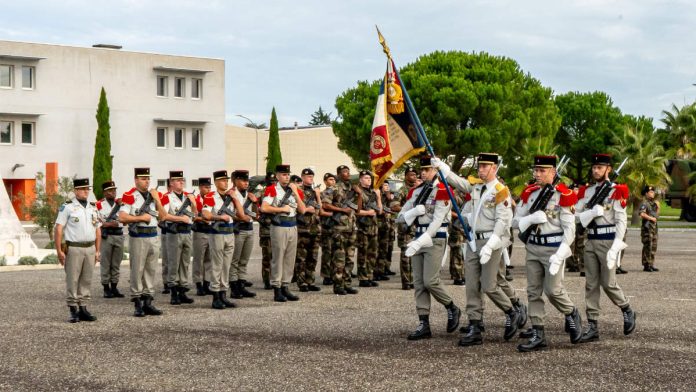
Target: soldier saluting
[78, 224]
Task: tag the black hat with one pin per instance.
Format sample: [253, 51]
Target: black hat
[142, 172]
[338, 169]
[176, 175]
[204, 181]
[410, 169]
[80, 183]
[295, 178]
[601, 159]
[282, 168]
[220, 175]
[307, 172]
[240, 174]
[545, 161]
[364, 173]
[106, 185]
[425, 161]
[490, 158]
[647, 189]
[270, 178]
[329, 175]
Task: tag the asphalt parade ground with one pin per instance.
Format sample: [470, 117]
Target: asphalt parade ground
[353, 343]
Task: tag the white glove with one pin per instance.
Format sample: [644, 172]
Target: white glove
[413, 213]
[587, 216]
[424, 241]
[442, 166]
[536, 218]
[556, 260]
[493, 243]
[613, 254]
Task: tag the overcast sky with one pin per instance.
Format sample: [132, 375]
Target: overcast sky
[297, 55]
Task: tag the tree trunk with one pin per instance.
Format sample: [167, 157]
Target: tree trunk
[635, 217]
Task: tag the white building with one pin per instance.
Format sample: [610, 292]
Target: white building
[166, 112]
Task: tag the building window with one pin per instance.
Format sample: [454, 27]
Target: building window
[162, 86]
[194, 182]
[179, 137]
[196, 88]
[161, 137]
[179, 87]
[162, 183]
[28, 77]
[28, 133]
[6, 72]
[6, 132]
[196, 138]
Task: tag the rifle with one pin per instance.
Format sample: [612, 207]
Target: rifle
[183, 210]
[603, 191]
[246, 206]
[371, 204]
[543, 199]
[275, 219]
[348, 202]
[114, 212]
[145, 208]
[310, 201]
[224, 209]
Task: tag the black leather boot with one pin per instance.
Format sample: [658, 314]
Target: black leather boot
[166, 290]
[278, 295]
[74, 314]
[148, 308]
[350, 290]
[246, 283]
[527, 334]
[85, 315]
[138, 304]
[267, 284]
[422, 331]
[591, 333]
[574, 323]
[107, 291]
[234, 290]
[115, 292]
[453, 316]
[537, 341]
[206, 288]
[473, 336]
[243, 290]
[339, 291]
[512, 319]
[174, 296]
[290, 296]
[522, 310]
[389, 272]
[217, 304]
[183, 298]
[199, 289]
[225, 301]
[629, 317]
[327, 282]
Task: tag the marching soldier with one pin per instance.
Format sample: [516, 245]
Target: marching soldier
[78, 224]
[111, 249]
[405, 233]
[284, 201]
[220, 207]
[335, 199]
[327, 224]
[547, 248]
[265, 235]
[430, 213]
[163, 248]
[490, 214]
[385, 234]
[649, 212]
[369, 205]
[181, 209]
[143, 243]
[201, 251]
[308, 230]
[243, 237]
[348, 189]
[606, 225]
[455, 242]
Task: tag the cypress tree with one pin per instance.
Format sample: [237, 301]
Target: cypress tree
[102, 163]
[274, 156]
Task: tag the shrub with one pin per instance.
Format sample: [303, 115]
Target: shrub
[28, 260]
[3, 261]
[50, 259]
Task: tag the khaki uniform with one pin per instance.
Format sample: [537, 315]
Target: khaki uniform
[179, 242]
[648, 231]
[490, 214]
[342, 227]
[80, 225]
[367, 238]
[143, 245]
[221, 243]
[111, 248]
[404, 235]
[201, 247]
[243, 244]
[600, 237]
[427, 260]
[283, 236]
[309, 232]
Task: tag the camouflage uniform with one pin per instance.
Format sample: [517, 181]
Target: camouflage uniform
[386, 236]
[405, 234]
[342, 265]
[327, 267]
[455, 242]
[367, 238]
[265, 244]
[308, 231]
[351, 238]
[648, 232]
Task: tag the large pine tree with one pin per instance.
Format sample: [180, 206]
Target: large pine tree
[102, 163]
[274, 156]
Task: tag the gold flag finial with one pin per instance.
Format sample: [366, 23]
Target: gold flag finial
[383, 42]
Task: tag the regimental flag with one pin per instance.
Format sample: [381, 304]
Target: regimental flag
[394, 137]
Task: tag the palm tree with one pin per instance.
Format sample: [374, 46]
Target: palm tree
[646, 161]
[680, 124]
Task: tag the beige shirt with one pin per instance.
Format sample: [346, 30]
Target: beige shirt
[79, 223]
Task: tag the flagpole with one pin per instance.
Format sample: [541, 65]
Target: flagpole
[424, 137]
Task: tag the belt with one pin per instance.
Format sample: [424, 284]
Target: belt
[484, 235]
[80, 244]
[245, 226]
[180, 228]
[285, 224]
[602, 232]
[112, 231]
[422, 228]
[222, 228]
[552, 239]
[142, 231]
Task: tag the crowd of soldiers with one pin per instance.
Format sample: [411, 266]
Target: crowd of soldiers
[206, 239]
